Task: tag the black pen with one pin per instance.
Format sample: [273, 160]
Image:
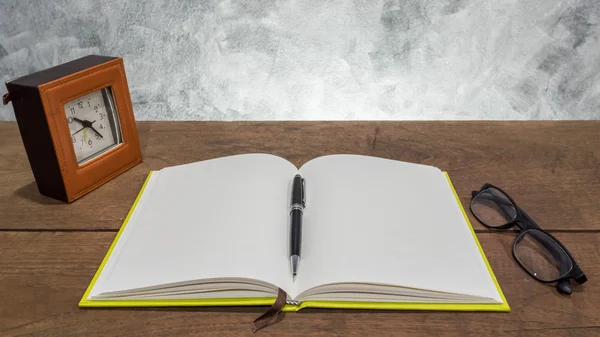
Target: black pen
[296, 211]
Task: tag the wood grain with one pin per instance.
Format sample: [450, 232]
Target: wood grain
[44, 274]
[551, 168]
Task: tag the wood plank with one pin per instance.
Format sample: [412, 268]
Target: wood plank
[551, 168]
[44, 274]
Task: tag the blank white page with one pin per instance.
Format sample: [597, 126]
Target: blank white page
[376, 220]
[221, 218]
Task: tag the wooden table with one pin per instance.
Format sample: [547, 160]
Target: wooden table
[49, 251]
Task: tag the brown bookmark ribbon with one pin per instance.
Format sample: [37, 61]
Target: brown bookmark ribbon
[5, 99]
[272, 313]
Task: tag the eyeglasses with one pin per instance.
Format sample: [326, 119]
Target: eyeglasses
[539, 253]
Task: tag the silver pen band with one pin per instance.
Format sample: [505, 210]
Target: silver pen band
[297, 207]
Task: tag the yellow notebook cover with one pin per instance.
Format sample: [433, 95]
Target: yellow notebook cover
[499, 307]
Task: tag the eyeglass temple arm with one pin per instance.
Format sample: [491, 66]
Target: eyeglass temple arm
[528, 218]
[564, 286]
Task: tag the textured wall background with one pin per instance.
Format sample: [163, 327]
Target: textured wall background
[317, 59]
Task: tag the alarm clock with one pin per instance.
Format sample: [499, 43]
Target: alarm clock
[77, 125]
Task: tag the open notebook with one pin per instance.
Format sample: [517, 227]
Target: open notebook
[377, 234]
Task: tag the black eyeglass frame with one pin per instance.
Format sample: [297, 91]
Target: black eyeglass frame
[527, 225]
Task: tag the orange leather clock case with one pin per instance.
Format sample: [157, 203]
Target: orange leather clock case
[39, 100]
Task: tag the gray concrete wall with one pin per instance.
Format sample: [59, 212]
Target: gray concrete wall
[342, 59]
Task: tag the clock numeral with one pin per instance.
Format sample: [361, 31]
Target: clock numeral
[90, 142]
[72, 111]
[96, 107]
[89, 105]
[97, 137]
[70, 120]
[73, 139]
[80, 105]
[101, 116]
[101, 126]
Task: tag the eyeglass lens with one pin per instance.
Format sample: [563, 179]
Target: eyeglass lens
[543, 257]
[493, 208]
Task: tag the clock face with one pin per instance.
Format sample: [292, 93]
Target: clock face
[93, 124]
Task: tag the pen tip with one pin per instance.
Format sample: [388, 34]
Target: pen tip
[294, 260]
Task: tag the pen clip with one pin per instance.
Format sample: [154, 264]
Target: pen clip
[303, 193]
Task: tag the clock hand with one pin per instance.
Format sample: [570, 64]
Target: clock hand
[84, 122]
[76, 132]
[91, 127]
[96, 131]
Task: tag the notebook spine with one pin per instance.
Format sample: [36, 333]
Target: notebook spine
[292, 302]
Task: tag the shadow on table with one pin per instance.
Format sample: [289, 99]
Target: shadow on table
[259, 310]
[31, 193]
[256, 311]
